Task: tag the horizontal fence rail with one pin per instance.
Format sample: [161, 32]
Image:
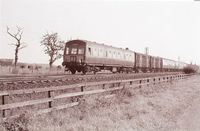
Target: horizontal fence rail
[83, 89]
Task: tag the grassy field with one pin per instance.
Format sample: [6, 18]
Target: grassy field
[10, 70]
[151, 108]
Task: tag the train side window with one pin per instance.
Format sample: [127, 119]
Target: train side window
[114, 54]
[74, 51]
[110, 54]
[100, 52]
[106, 53]
[67, 51]
[95, 53]
[119, 56]
[89, 50]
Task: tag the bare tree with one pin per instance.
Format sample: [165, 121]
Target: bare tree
[53, 47]
[18, 44]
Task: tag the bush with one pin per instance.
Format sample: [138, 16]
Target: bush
[17, 124]
[189, 70]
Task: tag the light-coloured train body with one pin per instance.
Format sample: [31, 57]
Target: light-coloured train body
[86, 56]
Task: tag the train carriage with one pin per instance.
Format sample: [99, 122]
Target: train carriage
[88, 56]
[159, 64]
[169, 65]
[182, 65]
[99, 54]
[142, 62]
[156, 64]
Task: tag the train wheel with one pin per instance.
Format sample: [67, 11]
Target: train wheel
[73, 71]
[136, 71]
[84, 72]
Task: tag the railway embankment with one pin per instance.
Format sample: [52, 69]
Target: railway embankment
[40, 81]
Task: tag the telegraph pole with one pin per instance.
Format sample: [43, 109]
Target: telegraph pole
[179, 61]
[147, 50]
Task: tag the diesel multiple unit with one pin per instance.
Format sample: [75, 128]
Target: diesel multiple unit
[85, 56]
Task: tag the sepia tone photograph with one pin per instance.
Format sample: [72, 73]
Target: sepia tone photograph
[99, 65]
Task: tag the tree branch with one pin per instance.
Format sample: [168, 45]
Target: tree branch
[13, 44]
[22, 47]
[16, 35]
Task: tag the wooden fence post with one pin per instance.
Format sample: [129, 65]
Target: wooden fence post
[3, 102]
[131, 82]
[154, 81]
[140, 83]
[50, 94]
[167, 79]
[82, 88]
[103, 86]
[163, 79]
[148, 82]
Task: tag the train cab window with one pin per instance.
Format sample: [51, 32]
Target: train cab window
[74, 51]
[81, 51]
[67, 51]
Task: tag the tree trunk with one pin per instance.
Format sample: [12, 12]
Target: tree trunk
[50, 64]
[16, 55]
[51, 61]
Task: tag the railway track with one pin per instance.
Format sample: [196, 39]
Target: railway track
[16, 79]
[26, 82]
[7, 78]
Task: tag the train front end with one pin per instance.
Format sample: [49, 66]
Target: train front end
[74, 56]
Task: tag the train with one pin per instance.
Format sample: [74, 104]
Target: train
[86, 56]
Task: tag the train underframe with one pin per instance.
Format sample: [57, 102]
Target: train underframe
[74, 67]
[84, 68]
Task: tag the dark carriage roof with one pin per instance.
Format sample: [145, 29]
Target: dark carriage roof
[102, 44]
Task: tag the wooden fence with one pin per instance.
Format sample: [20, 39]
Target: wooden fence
[81, 90]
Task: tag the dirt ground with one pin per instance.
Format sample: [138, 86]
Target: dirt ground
[173, 106]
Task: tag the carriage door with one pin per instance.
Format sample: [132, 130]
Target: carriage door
[73, 58]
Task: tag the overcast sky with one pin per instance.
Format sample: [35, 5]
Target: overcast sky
[169, 29]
